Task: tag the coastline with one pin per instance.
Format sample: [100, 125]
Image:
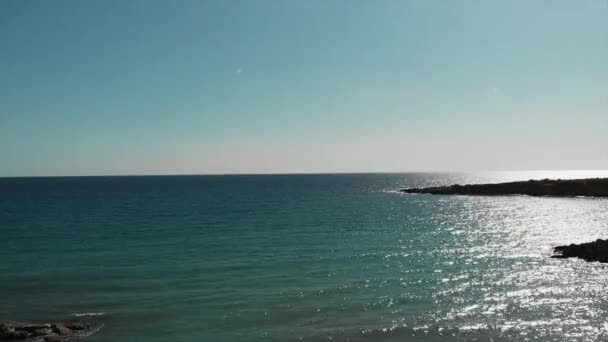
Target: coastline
[588, 187]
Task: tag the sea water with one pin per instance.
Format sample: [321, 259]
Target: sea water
[300, 258]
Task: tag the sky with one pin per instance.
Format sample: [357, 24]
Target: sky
[103, 87]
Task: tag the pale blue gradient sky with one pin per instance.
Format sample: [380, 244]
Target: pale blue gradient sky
[162, 87]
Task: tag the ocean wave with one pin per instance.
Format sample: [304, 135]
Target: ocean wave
[93, 331]
[392, 191]
[84, 314]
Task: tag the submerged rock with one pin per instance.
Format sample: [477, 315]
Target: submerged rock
[593, 187]
[590, 251]
[31, 327]
[42, 332]
[49, 332]
[76, 326]
[53, 338]
[15, 335]
[61, 330]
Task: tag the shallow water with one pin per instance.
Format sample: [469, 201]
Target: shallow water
[300, 257]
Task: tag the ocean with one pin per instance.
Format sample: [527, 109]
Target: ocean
[341, 257]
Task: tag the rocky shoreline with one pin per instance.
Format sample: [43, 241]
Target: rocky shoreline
[590, 251]
[47, 332]
[592, 187]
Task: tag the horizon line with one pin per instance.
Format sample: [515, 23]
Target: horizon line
[300, 173]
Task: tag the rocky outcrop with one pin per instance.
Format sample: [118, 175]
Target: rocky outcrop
[593, 187]
[48, 332]
[61, 330]
[590, 251]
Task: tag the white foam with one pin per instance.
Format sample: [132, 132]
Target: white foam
[93, 331]
[81, 314]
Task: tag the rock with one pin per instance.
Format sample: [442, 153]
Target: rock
[590, 251]
[53, 338]
[16, 335]
[42, 332]
[597, 187]
[61, 330]
[31, 327]
[77, 326]
[55, 332]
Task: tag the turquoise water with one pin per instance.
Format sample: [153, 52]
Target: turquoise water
[300, 257]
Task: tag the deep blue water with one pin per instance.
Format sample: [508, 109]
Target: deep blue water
[299, 257]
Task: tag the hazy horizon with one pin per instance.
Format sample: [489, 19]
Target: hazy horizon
[273, 87]
[509, 174]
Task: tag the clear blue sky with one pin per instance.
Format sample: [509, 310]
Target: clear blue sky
[162, 87]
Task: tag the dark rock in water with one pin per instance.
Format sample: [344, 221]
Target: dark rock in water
[42, 332]
[53, 338]
[61, 330]
[595, 187]
[590, 251]
[78, 326]
[55, 332]
[15, 335]
[31, 327]
[4, 328]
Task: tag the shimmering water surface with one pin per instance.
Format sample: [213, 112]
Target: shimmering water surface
[300, 257]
